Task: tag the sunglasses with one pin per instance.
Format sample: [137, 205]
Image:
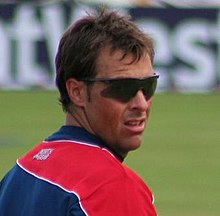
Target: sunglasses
[123, 89]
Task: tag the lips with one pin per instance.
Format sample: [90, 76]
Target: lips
[135, 125]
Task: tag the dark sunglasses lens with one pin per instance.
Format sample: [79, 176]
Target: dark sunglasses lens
[149, 87]
[121, 90]
[124, 89]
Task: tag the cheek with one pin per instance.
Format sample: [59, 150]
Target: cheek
[111, 113]
[104, 115]
[108, 115]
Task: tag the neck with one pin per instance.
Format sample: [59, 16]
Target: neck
[74, 118]
[77, 120]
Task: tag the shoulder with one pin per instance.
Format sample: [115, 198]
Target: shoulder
[70, 164]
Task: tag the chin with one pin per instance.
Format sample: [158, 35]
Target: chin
[134, 144]
[127, 145]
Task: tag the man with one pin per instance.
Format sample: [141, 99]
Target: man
[106, 83]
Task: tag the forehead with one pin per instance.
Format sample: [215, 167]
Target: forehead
[112, 64]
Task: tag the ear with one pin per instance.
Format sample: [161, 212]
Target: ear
[76, 91]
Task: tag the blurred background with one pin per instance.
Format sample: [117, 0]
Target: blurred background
[186, 34]
[180, 155]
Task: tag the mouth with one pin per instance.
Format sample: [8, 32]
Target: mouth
[135, 125]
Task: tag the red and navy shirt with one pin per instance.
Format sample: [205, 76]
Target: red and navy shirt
[72, 173]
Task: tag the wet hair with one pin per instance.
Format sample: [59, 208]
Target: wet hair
[82, 42]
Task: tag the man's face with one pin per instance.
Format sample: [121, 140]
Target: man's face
[120, 124]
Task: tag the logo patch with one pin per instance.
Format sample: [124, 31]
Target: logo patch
[43, 154]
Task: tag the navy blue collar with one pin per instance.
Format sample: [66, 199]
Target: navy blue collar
[79, 134]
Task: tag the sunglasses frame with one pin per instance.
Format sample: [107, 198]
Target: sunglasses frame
[124, 96]
[108, 80]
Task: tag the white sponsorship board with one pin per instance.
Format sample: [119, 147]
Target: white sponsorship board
[187, 43]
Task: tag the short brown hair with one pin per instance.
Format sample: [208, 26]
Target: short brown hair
[81, 44]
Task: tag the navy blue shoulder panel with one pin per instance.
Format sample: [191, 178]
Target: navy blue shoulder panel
[79, 134]
[75, 133]
[23, 194]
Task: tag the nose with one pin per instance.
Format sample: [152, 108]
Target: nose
[139, 102]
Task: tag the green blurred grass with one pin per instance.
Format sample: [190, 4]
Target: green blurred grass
[179, 158]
